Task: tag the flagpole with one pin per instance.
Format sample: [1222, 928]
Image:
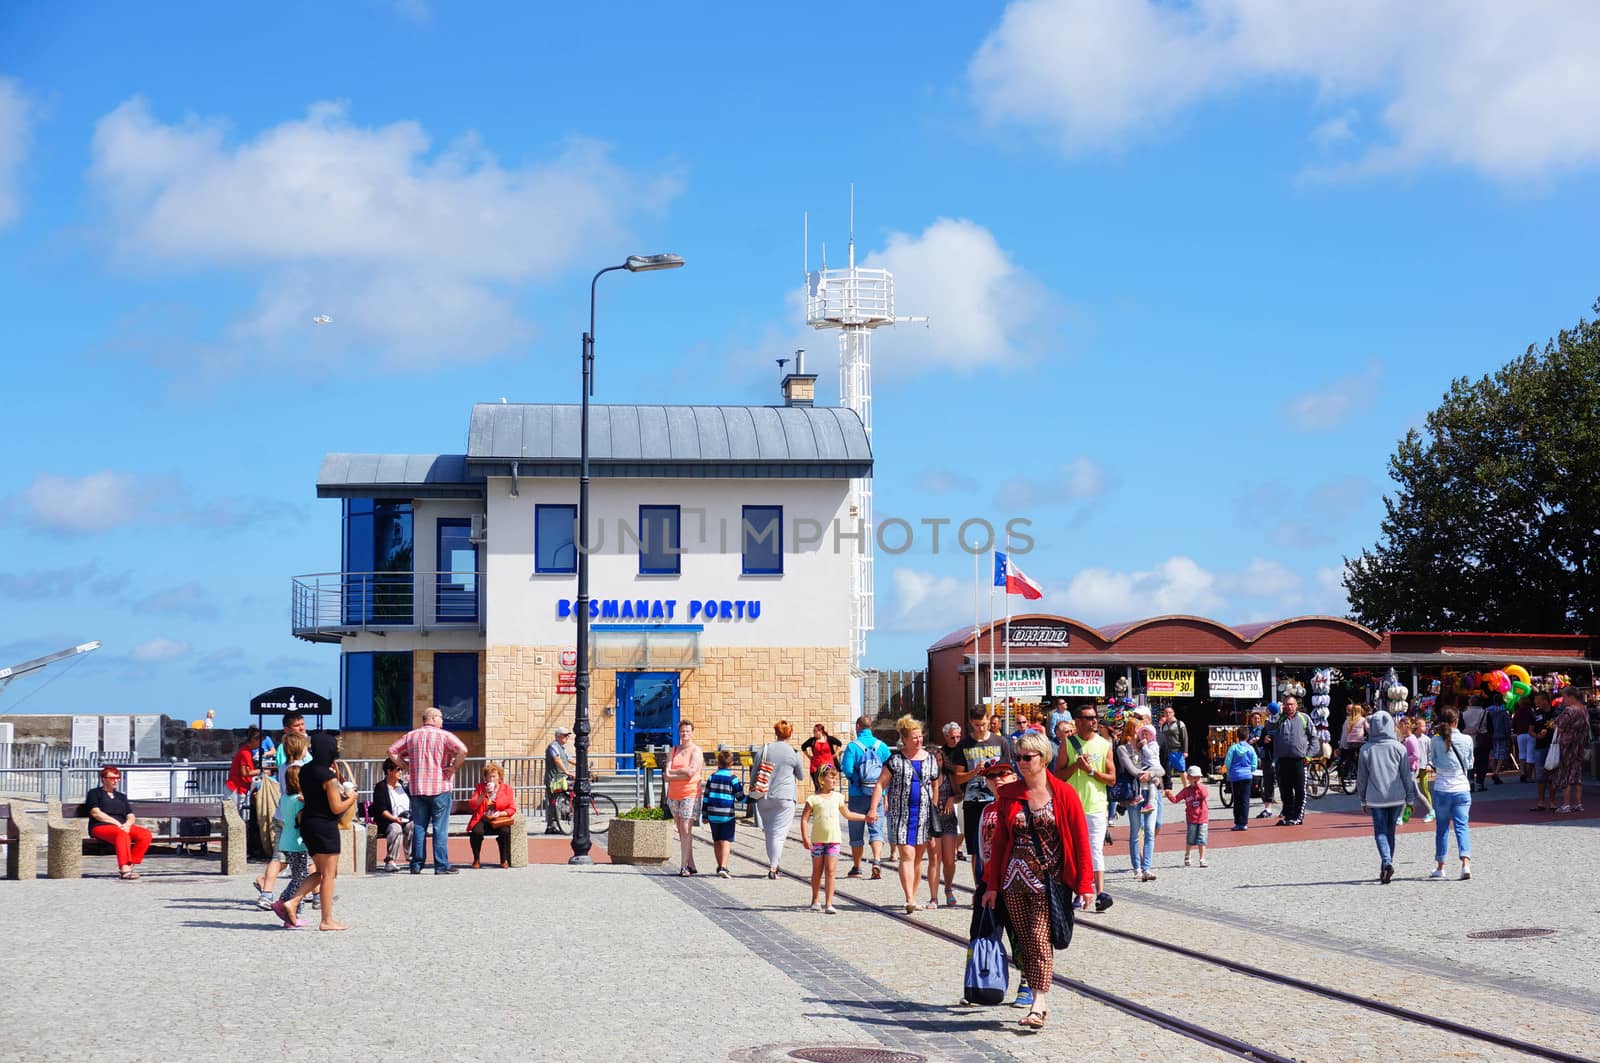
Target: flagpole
[977, 653]
[1007, 589]
[991, 631]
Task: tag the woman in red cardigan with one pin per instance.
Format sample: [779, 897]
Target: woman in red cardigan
[1026, 857]
[492, 799]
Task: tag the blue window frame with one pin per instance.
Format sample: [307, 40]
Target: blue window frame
[555, 541]
[375, 691]
[377, 559]
[456, 585]
[455, 689]
[660, 546]
[763, 540]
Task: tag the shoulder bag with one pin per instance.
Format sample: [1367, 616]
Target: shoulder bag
[763, 779]
[1552, 759]
[1058, 893]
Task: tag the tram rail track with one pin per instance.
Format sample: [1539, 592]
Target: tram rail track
[1218, 1040]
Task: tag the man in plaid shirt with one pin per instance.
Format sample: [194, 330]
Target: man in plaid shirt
[431, 754]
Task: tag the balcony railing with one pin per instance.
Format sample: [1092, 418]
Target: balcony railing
[326, 606]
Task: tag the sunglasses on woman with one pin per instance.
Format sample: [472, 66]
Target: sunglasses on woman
[1029, 756]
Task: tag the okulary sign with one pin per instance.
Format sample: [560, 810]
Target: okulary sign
[1019, 682]
[1234, 683]
[1078, 682]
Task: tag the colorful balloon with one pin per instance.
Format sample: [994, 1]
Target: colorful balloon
[1498, 682]
[1517, 672]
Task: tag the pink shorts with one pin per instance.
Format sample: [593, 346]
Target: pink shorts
[825, 849]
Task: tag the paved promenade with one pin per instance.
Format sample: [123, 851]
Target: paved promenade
[551, 962]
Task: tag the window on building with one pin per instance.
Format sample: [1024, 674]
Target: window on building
[555, 539]
[375, 691]
[455, 689]
[763, 540]
[456, 585]
[377, 552]
[660, 547]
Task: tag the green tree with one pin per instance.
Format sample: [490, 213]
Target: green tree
[1496, 523]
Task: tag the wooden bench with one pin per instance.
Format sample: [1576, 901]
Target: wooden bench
[69, 832]
[22, 852]
[519, 833]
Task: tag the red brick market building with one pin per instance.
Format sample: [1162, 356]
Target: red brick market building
[1213, 673]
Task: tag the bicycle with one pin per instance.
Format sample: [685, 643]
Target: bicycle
[1316, 777]
[602, 810]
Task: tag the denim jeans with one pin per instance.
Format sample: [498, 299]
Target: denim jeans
[1241, 800]
[1141, 855]
[430, 810]
[1385, 819]
[872, 832]
[1451, 811]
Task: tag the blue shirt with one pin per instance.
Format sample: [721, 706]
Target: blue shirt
[852, 754]
[723, 788]
[1240, 763]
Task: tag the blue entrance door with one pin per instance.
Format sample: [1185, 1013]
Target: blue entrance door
[647, 712]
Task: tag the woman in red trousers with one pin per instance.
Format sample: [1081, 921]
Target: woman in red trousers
[111, 821]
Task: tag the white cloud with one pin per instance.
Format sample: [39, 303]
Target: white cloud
[1329, 406]
[417, 255]
[1080, 480]
[946, 481]
[927, 601]
[983, 308]
[1176, 585]
[110, 499]
[1506, 89]
[419, 12]
[1330, 593]
[16, 136]
[186, 599]
[159, 649]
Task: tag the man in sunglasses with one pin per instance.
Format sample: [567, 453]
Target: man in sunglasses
[1083, 761]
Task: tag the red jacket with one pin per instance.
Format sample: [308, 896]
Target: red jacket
[504, 803]
[1076, 869]
[242, 771]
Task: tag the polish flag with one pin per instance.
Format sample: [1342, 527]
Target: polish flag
[1009, 576]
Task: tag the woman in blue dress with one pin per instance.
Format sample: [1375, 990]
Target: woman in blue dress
[911, 780]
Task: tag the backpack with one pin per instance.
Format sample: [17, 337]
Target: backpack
[987, 973]
[868, 766]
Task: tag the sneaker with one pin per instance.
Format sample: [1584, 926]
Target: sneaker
[1265, 813]
[722, 872]
[1429, 818]
[1498, 781]
[264, 900]
[1385, 874]
[1186, 862]
[447, 871]
[854, 872]
[830, 910]
[1204, 864]
[1149, 876]
[389, 868]
[1024, 997]
[1437, 872]
[1466, 873]
[1238, 826]
[814, 907]
[1102, 902]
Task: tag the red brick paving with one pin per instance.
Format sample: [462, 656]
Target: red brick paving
[555, 849]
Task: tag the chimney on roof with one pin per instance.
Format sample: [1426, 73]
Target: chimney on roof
[800, 387]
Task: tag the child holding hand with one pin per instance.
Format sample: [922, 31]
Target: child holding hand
[1196, 813]
[820, 832]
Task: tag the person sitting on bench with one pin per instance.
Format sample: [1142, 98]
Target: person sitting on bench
[494, 806]
[111, 821]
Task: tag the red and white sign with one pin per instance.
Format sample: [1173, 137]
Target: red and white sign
[566, 682]
[569, 658]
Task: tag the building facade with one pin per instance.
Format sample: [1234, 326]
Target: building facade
[721, 547]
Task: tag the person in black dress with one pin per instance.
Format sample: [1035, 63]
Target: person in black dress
[326, 799]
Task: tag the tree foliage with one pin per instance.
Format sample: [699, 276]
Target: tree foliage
[1496, 523]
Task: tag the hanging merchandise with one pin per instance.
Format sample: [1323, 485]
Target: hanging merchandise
[1395, 693]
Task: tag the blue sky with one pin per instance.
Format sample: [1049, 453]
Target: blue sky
[1191, 270]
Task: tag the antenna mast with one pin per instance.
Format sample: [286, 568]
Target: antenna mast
[855, 301]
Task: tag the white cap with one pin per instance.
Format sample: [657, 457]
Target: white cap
[1142, 710]
[1194, 771]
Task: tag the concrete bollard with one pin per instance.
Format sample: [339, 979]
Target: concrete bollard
[235, 835]
[22, 851]
[519, 840]
[353, 850]
[64, 858]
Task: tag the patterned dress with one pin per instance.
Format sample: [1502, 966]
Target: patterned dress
[913, 785]
[1572, 732]
[1022, 889]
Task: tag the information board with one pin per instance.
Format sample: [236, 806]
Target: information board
[117, 736]
[1234, 683]
[1169, 682]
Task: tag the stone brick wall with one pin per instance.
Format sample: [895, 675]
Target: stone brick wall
[733, 698]
[360, 745]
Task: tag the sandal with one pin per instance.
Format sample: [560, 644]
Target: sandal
[126, 874]
[910, 908]
[684, 872]
[1034, 1020]
[1538, 808]
[949, 899]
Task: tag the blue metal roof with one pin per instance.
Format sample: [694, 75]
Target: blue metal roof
[801, 441]
[408, 475]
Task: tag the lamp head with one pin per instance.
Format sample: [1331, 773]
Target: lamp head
[646, 263]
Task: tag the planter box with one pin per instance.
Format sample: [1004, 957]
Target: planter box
[641, 841]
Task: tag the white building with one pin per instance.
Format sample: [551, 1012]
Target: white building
[721, 553]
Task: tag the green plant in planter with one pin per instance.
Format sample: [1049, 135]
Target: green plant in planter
[645, 813]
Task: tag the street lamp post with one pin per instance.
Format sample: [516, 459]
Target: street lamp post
[581, 789]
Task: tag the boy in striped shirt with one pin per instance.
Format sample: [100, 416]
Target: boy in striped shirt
[723, 790]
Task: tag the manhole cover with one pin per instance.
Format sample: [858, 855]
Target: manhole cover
[854, 1054]
[1512, 934]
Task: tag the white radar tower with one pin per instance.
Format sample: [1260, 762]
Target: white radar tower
[855, 301]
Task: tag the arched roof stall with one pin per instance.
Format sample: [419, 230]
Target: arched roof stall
[959, 664]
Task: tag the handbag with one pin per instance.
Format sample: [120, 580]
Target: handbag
[342, 772]
[502, 821]
[1057, 892]
[1552, 759]
[987, 970]
[763, 780]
